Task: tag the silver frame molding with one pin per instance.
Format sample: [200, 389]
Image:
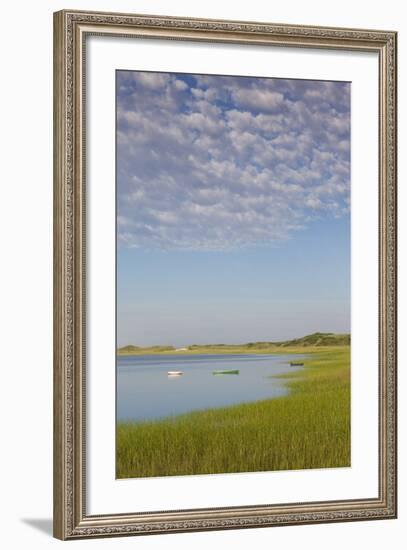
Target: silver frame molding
[70, 31]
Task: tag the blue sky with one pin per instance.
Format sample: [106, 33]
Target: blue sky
[233, 198]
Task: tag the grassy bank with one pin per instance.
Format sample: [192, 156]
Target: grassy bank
[311, 342]
[309, 428]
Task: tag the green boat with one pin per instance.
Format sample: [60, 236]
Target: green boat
[225, 372]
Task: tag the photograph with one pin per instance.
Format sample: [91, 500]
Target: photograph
[225, 301]
[203, 199]
[233, 274]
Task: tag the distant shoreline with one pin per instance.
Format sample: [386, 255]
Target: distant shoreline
[313, 341]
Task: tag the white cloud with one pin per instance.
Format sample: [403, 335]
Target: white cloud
[258, 99]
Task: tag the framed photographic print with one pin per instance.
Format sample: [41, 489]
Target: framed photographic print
[225, 274]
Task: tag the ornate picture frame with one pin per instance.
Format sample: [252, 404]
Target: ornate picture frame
[72, 520]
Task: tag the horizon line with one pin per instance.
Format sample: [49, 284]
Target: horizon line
[239, 344]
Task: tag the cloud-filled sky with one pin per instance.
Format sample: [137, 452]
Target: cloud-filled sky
[210, 165]
[219, 162]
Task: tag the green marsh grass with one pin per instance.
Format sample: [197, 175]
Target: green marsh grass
[308, 428]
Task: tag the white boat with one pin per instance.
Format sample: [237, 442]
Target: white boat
[175, 372]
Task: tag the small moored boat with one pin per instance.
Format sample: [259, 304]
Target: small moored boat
[296, 364]
[175, 372]
[225, 372]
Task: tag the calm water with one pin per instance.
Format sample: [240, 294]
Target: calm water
[145, 391]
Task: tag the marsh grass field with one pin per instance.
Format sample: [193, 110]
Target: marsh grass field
[308, 428]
